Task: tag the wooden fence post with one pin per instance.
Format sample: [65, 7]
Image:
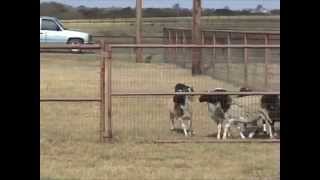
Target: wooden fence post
[196, 37]
[139, 51]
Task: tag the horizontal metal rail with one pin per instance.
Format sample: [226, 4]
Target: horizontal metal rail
[227, 31]
[161, 37]
[70, 100]
[190, 93]
[190, 46]
[70, 46]
[97, 46]
[124, 36]
[229, 141]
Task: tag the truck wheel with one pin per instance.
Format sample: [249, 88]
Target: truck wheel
[75, 41]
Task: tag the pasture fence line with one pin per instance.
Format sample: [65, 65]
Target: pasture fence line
[102, 99]
[105, 51]
[178, 35]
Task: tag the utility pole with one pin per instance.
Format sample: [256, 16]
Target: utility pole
[139, 52]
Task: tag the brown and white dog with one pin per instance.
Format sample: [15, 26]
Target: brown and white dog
[180, 109]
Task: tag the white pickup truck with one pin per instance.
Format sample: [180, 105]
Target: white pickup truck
[52, 31]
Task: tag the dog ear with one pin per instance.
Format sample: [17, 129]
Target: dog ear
[179, 99]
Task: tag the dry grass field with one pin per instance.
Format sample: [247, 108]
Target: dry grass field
[69, 131]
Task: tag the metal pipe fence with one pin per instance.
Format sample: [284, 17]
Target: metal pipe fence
[130, 109]
[226, 57]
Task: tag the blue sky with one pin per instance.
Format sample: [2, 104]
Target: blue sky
[232, 4]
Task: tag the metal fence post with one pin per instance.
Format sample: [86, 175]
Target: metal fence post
[165, 40]
[266, 58]
[175, 42]
[213, 59]
[245, 60]
[108, 97]
[169, 42]
[184, 41]
[228, 55]
[102, 91]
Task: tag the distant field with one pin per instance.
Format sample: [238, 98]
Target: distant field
[69, 131]
[120, 30]
[154, 26]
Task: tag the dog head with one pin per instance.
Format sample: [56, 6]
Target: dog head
[244, 89]
[223, 100]
[184, 88]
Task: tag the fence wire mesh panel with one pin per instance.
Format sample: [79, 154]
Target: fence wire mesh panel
[257, 68]
[145, 117]
[69, 96]
[156, 73]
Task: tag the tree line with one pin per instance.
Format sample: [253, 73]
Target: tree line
[63, 11]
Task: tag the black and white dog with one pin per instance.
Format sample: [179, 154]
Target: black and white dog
[227, 113]
[272, 104]
[180, 109]
[218, 105]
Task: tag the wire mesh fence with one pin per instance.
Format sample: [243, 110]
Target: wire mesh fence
[146, 118]
[139, 115]
[69, 96]
[258, 68]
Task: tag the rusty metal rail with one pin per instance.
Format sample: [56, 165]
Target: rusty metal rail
[97, 46]
[70, 100]
[191, 46]
[229, 141]
[190, 93]
[70, 46]
[224, 31]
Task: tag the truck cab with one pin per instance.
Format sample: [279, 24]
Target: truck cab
[53, 31]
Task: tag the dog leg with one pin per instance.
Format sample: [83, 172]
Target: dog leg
[228, 134]
[242, 135]
[242, 129]
[264, 127]
[251, 134]
[226, 129]
[219, 131]
[270, 131]
[189, 128]
[269, 123]
[184, 127]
